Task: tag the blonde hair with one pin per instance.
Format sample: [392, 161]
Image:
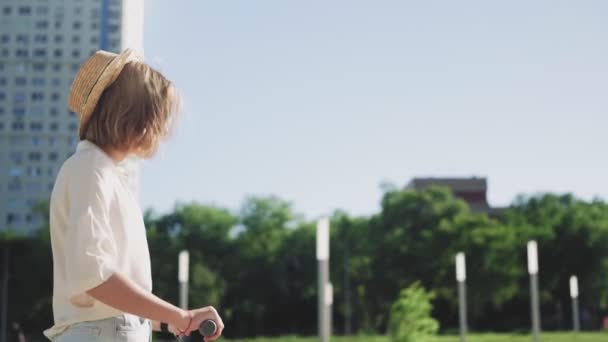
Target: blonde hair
[135, 112]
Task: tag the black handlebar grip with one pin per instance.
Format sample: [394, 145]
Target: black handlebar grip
[207, 328]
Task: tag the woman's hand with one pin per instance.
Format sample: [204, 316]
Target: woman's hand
[203, 314]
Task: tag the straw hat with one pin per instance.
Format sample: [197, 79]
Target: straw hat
[95, 75]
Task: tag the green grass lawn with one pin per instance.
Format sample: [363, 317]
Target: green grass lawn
[545, 337]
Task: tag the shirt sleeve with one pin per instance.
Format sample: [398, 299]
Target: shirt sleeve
[91, 251]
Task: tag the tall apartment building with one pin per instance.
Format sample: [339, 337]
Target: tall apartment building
[42, 45]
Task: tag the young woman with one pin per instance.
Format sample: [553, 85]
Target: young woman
[102, 278]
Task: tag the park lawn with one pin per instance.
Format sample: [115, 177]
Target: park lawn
[545, 337]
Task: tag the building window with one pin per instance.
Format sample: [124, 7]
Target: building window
[20, 81]
[58, 53]
[1, 126]
[34, 156]
[113, 28]
[19, 112]
[50, 171]
[42, 10]
[40, 38]
[53, 156]
[15, 171]
[55, 96]
[39, 53]
[113, 14]
[56, 82]
[75, 53]
[21, 53]
[57, 67]
[37, 111]
[58, 24]
[7, 10]
[38, 81]
[39, 67]
[51, 141]
[75, 67]
[16, 157]
[54, 111]
[37, 96]
[33, 187]
[4, 52]
[73, 127]
[75, 39]
[19, 96]
[77, 25]
[42, 24]
[54, 126]
[2, 81]
[18, 126]
[25, 10]
[17, 141]
[12, 218]
[78, 10]
[35, 127]
[35, 141]
[22, 38]
[58, 38]
[5, 38]
[94, 40]
[2, 96]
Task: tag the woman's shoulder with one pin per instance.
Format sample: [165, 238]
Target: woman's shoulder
[86, 164]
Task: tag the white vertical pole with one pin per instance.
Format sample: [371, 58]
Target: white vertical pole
[182, 277]
[533, 271]
[576, 322]
[461, 276]
[323, 277]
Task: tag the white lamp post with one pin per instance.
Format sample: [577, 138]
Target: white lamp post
[574, 295]
[461, 277]
[182, 277]
[325, 298]
[533, 271]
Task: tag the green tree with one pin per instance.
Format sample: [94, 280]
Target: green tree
[410, 316]
[572, 236]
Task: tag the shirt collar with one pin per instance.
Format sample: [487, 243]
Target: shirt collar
[84, 145]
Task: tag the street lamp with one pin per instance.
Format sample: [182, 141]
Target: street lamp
[182, 277]
[533, 271]
[574, 295]
[461, 277]
[325, 298]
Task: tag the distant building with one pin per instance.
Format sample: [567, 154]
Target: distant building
[472, 190]
[43, 44]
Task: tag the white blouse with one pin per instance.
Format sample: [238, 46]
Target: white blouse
[97, 229]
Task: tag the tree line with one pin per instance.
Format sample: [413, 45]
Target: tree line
[257, 265]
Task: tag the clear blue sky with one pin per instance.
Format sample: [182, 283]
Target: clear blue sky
[318, 102]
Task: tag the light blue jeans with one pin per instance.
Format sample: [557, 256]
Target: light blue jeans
[124, 328]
